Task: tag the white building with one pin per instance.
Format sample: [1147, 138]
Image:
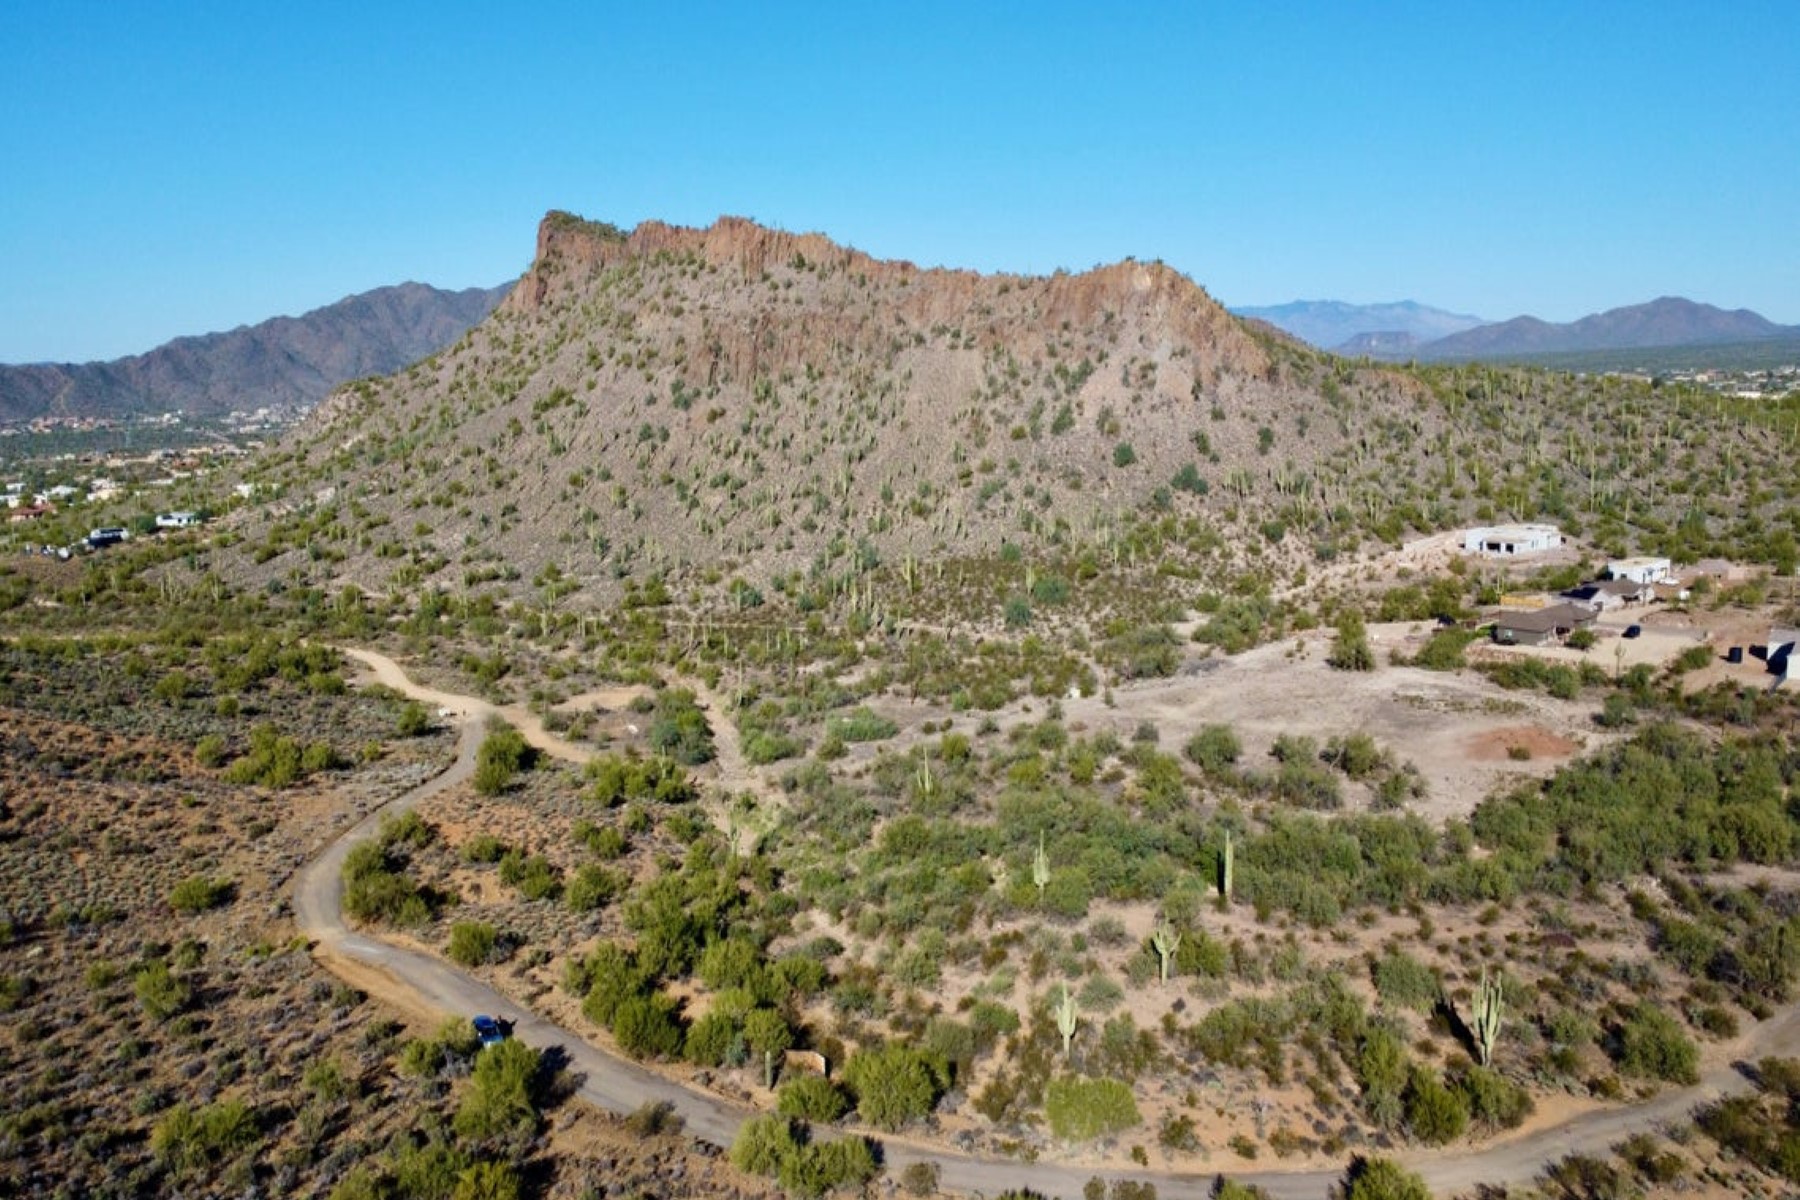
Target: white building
[1505, 541]
[177, 520]
[1640, 570]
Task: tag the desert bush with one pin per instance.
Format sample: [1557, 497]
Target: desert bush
[500, 1101]
[1494, 1101]
[615, 779]
[680, 729]
[762, 1144]
[187, 1139]
[473, 943]
[1435, 1114]
[1652, 1044]
[1080, 1109]
[413, 720]
[198, 893]
[483, 848]
[1383, 1179]
[1215, 749]
[592, 887]
[861, 725]
[210, 751]
[646, 1026]
[277, 761]
[501, 756]
[812, 1098]
[894, 1084]
[160, 991]
[1350, 650]
[1403, 980]
[535, 876]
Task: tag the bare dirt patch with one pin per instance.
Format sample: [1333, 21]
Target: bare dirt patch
[1520, 742]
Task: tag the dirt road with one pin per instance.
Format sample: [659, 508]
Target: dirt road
[424, 983]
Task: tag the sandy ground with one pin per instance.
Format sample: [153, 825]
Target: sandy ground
[1445, 723]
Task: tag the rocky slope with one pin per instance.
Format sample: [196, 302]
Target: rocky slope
[287, 361]
[741, 404]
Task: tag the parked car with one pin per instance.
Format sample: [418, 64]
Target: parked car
[1632, 631]
[489, 1031]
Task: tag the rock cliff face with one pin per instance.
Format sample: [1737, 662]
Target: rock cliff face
[287, 361]
[737, 398]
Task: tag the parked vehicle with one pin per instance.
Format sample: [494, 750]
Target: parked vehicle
[1632, 631]
[489, 1031]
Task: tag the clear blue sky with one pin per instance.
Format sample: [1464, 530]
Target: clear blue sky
[178, 168]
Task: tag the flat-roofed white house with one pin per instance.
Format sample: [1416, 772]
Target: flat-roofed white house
[1505, 541]
[177, 520]
[1640, 570]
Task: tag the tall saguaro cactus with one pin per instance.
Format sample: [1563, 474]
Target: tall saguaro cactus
[1166, 941]
[1225, 869]
[1066, 1019]
[1485, 1025]
[1040, 869]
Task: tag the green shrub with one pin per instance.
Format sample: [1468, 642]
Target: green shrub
[1080, 1109]
[1383, 1179]
[646, 1026]
[861, 725]
[680, 729]
[1653, 1045]
[592, 888]
[413, 720]
[1215, 749]
[209, 751]
[187, 1139]
[483, 848]
[536, 877]
[616, 779]
[1401, 979]
[161, 992]
[762, 1144]
[894, 1084]
[500, 1099]
[812, 1098]
[1435, 1114]
[472, 943]
[197, 893]
[501, 756]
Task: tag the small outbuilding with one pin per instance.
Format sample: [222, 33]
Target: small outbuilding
[1640, 570]
[1507, 541]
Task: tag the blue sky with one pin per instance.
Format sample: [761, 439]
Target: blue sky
[178, 168]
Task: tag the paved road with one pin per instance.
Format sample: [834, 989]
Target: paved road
[428, 982]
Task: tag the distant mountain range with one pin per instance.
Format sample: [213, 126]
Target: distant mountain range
[1414, 331]
[1331, 324]
[293, 361]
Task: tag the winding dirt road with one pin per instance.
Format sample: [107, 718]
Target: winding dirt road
[424, 983]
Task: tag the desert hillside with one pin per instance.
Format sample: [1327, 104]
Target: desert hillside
[738, 406]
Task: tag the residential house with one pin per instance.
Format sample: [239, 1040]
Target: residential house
[1640, 570]
[1506, 541]
[1542, 626]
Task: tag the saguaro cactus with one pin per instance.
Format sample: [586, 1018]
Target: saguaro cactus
[1225, 870]
[1166, 940]
[1489, 1007]
[1066, 1019]
[1040, 869]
